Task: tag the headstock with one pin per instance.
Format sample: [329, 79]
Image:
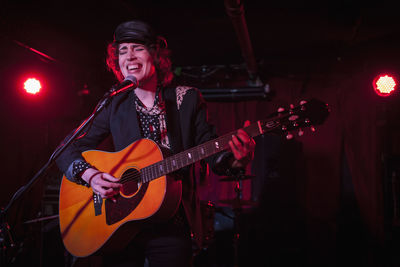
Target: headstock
[306, 114]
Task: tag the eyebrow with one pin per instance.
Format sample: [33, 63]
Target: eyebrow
[126, 46]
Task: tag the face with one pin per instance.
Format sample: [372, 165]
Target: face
[135, 59]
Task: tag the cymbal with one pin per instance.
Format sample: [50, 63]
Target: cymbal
[236, 178]
[238, 202]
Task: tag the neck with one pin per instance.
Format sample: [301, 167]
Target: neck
[146, 91]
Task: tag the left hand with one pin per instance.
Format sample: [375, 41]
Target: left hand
[242, 146]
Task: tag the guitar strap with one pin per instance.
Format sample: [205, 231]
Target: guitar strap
[173, 120]
[97, 202]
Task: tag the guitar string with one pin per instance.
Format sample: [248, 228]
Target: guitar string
[152, 168]
[183, 155]
[137, 175]
[208, 146]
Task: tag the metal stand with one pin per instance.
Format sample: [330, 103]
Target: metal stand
[237, 204]
[6, 239]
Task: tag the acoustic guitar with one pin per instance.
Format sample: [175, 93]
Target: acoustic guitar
[89, 224]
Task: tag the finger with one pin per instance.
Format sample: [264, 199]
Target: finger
[109, 192]
[106, 192]
[248, 142]
[107, 184]
[110, 178]
[100, 191]
[237, 142]
[246, 123]
[243, 136]
[108, 181]
[105, 189]
[110, 187]
[235, 151]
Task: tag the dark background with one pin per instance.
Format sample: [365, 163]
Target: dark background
[328, 198]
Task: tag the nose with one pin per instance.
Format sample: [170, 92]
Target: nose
[131, 54]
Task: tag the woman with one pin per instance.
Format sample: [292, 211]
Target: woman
[175, 118]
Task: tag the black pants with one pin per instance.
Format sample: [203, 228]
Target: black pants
[162, 245]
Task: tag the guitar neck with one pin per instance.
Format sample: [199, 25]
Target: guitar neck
[197, 153]
[304, 115]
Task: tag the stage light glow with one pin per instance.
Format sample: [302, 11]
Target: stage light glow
[384, 84]
[32, 86]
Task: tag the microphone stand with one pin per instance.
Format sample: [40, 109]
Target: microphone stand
[6, 240]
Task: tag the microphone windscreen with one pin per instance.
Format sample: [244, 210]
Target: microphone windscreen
[131, 78]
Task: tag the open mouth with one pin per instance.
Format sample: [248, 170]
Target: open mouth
[134, 67]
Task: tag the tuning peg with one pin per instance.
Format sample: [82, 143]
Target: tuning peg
[300, 132]
[307, 121]
[293, 118]
[281, 109]
[312, 128]
[289, 136]
[284, 128]
[291, 109]
[303, 102]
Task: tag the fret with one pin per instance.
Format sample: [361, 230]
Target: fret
[143, 175]
[174, 163]
[152, 171]
[188, 158]
[156, 169]
[179, 163]
[148, 174]
[196, 155]
[164, 167]
[179, 160]
[168, 165]
[160, 168]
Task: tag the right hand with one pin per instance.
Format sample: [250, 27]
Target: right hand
[102, 183]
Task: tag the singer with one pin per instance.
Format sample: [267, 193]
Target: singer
[174, 117]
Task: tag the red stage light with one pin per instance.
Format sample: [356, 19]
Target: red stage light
[384, 84]
[32, 86]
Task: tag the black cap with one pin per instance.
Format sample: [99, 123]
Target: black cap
[135, 31]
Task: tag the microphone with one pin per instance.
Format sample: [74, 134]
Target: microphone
[130, 83]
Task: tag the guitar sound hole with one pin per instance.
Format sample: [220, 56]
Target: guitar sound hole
[130, 182]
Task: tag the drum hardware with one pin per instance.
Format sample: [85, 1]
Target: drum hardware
[237, 205]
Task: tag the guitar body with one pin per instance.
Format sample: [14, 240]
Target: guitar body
[84, 232]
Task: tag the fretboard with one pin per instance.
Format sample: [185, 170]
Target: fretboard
[192, 155]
